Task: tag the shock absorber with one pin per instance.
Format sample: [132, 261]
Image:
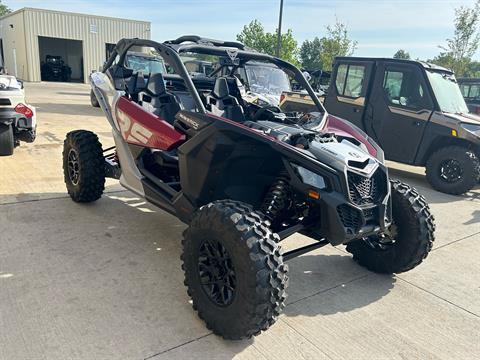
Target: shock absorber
[277, 199]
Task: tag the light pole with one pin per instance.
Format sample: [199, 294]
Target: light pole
[279, 32]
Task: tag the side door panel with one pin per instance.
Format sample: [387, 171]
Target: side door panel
[348, 90]
[401, 107]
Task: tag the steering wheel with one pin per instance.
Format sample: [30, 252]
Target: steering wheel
[265, 110]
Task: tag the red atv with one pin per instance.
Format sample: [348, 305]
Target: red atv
[244, 176]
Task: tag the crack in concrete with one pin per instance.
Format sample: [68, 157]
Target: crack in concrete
[455, 241]
[177, 346]
[54, 198]
[438, 297]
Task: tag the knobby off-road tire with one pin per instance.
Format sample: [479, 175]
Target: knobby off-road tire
[7, 142]
[462, 158]
[253, 256]
[413, 233]
[83, 166]
[93, 99]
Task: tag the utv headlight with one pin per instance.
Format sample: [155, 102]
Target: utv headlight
[474, 129]
[310, 178]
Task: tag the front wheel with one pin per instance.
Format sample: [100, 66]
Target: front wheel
[7, 141]
[93, 99]
[234, 270]
[409, 239]
[83, 166]
[453, 170]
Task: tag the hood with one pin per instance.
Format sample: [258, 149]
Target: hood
[464, 118]
[341, 155]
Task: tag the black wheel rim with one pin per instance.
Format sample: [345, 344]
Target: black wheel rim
[383, 241]
[217, 274]
[451, 171]
[73, 167]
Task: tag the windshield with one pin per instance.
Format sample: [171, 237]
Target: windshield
[148, 65]
[447, 92]
[267, 79]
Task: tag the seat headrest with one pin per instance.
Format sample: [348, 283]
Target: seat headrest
[220, 89]
[156, 85]
[136, 83]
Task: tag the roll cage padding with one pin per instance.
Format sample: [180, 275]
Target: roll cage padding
[199, 40]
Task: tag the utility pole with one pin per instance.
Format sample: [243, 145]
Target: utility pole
[279, 32]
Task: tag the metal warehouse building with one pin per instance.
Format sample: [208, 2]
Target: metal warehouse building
[83, 41]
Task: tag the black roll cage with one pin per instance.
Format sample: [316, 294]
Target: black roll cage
[171, 50]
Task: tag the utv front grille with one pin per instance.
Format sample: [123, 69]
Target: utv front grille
[366, 190]
[351, 218]
[354, 219]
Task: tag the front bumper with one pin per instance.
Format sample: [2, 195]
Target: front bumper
[345, 221]
[343, 215]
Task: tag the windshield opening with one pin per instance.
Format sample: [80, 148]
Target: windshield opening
[146, 64]
[447, 92]
[267, 79]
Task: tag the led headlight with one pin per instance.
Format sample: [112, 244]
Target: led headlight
[474, 129]
[310, 178]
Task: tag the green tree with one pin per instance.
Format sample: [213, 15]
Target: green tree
[310, 54]
[4, 9]
[458, 51]
[336, 43]
[473, 69]
[402, 54]
[444, 59]
[254, 36]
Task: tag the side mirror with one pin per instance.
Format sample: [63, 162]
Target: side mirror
[20, 83]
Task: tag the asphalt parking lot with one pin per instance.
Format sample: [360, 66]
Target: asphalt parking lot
[103, 280]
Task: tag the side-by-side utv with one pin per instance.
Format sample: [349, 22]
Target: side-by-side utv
[243, 176]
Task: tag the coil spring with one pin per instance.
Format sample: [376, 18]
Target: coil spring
[277, 198]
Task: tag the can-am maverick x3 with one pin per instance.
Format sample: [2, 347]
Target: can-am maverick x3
[243, 177]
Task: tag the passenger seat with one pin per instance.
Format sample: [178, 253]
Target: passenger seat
[222, 103]
[164, 104]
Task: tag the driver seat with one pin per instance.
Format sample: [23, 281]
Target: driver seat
[222, 103]
[165, 104]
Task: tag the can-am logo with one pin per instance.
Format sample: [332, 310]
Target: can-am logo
[132, 131]
[232, 54]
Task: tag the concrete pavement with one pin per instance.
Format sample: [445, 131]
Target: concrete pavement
[103, 280]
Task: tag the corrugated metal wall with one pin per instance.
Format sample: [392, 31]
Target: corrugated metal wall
[12, 33]
[93, 31]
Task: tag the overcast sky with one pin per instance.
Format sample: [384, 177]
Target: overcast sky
[380, 27]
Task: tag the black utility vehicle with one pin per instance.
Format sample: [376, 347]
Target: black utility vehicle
[243, 177]
[55, 69]
[415, 112]
[470, 88]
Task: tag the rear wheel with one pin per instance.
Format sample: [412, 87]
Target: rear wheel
[7, 142]
[234, 270]
[93, 99]
[453, 170]
[409, 239]
[83, 166]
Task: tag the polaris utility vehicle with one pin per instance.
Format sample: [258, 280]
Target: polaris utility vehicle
[243, 177]
[138, 61]
[470, 88]
[17, 119]
[415, 112]
[55, 69]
